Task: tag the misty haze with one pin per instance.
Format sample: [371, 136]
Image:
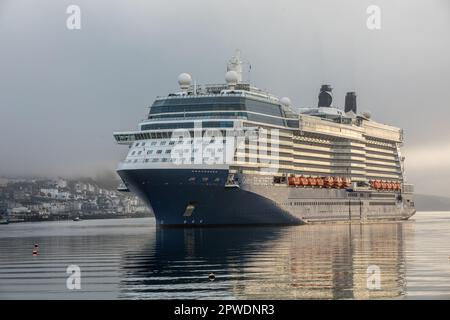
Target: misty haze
[63, 92]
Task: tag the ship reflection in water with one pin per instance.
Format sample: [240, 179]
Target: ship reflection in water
[304, 262]
[134, 259]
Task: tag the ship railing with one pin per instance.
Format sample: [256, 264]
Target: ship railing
[149, 120]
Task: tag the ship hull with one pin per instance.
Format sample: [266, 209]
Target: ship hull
[187, 197]
[169, 192]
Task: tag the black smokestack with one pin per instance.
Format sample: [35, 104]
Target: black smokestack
[325, 96]
[350, 102]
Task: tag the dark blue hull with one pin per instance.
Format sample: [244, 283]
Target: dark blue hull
[171, 192]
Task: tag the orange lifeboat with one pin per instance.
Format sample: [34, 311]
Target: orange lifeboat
[389, 185]
[320, 182]
[329, 181]
[377, 184]
[383, 185]
[372, 184]
[297, 181]
[347, 182]
[338, 182]
[291, 181]
[312, 181]
[304, 181]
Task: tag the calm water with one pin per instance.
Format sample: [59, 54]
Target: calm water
[132, 259]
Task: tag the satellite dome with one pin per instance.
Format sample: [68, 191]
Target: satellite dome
[285, 101]
[184, 80]
[231, 77]
[367, 114]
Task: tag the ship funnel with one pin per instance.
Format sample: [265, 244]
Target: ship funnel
[350, 102]
[325, 96]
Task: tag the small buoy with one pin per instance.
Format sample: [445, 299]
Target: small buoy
[35, 252]
[211, 277]
[36, 245]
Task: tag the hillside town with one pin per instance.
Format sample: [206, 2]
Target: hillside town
[60, 199]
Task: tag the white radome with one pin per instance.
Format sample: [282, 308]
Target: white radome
[285, 101]
[231, 77]
[184, 80]
[367, 114]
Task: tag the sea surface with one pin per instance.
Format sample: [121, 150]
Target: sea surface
[134, 259]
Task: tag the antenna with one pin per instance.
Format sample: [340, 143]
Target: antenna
[248, 70]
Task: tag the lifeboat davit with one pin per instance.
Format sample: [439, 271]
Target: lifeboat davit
[329, 181]
[320, 182]
[312, 181]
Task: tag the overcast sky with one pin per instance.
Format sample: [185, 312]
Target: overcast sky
[63, 92]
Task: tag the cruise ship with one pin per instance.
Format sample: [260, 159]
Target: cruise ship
[233, 154]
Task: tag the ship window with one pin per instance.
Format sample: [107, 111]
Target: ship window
[164, 159]
[163, 143]
[142, 144]
[168, 151]
[154, 143]
[136, 144]
[205, 179]
[187, 125]
[135, 160]
[139, 152]
[159, 151]
[155, 160]
[265, 119]
[171, 143]
[133, 153]
[146, 160]
[150, 152]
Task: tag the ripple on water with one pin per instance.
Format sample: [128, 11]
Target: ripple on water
[132, 259]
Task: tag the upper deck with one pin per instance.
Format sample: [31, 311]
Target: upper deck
[237, 104]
